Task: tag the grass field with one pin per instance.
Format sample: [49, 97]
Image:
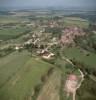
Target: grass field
[19, 73]
[50, 90]
[11, 19]
[11, 33]
[76, 21]
[81, 56]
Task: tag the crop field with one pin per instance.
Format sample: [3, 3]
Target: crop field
[11, 27]
[19, 74]
[51, 88]
[81, 56]
[11, 33]
[10, 19]
[76, 21]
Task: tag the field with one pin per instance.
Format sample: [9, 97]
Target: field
[86, 57]
[50, 90]
[10, 33]
[12, 27]
[10, 19]
[76, 21]
[19, 73]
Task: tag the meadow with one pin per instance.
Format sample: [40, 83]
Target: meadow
[19, 74]
[10, 19]
[12, 33]
[76, 21]
[12, 27]
[88, 58]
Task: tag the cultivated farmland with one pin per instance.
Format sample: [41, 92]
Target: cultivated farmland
[12, 33]
[80, 55]
[71, 21]
[19, 74]
[51, 88]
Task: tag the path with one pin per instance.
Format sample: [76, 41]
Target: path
[82, 75]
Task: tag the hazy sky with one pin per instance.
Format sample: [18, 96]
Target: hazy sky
[45, 3]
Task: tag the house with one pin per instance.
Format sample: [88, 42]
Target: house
[28, 42]
[48, 55]
[18, 47]
[45, 54]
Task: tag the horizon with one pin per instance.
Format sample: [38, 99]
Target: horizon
[36, 4]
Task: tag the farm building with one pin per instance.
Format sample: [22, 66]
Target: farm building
[45, 54]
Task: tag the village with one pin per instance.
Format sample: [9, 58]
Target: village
[43, 55]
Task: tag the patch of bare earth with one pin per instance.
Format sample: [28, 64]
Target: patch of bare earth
[50, 90]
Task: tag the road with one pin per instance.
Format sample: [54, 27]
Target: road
[81, 76]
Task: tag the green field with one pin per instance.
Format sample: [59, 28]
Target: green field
[19, 73]
[75, 21]
[81, 56]
[52, 86]
[12, 27]
[11, 19]
[11, 33]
